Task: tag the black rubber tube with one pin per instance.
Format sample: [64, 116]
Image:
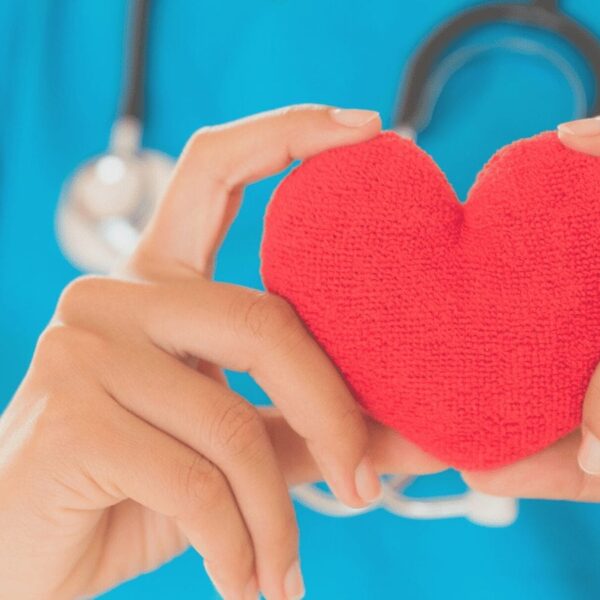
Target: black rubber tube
[540, 15]
[137, 42]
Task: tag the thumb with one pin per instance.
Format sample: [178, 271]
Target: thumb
[589, 449]
[205, 191]
[582, 135]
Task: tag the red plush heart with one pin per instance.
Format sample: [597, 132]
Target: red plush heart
[471, 329]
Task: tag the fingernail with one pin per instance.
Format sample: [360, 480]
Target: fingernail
[582, 127]
[251, 590]
[293, 583]
[589, 454]
[353, 117]
[367, 481]
[213, 580]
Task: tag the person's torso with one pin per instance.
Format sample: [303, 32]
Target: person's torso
[210, 62]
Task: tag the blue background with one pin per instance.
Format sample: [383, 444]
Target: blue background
[209, 62]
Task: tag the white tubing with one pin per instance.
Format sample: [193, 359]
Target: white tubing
[482, 509]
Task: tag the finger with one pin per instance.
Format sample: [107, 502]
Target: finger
[218, 424]
[244, 330]
[204, 194]
[552, 473]
[589, 450]
[135, 460]
[582, 135]
[390, 452]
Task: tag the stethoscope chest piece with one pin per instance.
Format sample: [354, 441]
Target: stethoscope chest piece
[106, 204]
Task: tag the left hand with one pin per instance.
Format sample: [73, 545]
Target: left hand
[570, 468]
[116, 452]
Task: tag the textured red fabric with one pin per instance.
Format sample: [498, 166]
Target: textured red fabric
[471, 329]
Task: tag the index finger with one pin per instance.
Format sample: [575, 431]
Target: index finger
[204, 193]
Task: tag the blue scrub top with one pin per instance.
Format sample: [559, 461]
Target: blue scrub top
[209, 62]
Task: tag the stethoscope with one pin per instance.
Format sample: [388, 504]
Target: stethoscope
[107, 202]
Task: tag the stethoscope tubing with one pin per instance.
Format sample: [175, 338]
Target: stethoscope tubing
[135, 67]
[543, 15]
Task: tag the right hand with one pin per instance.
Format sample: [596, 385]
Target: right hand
[123, 444]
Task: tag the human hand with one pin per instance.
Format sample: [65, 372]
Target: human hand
[570, 468]
[123, 444]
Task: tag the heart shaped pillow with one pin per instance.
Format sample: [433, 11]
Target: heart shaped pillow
[471, 329]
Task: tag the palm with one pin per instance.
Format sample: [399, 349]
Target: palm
[119, 543]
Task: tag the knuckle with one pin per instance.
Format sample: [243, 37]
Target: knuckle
[202, 156]
[351, 419]
[239, 431]
[201, 139]
[346, 423]
[79, 294]
[269, 317]
[55, 341]
[62, 347]
[204, 487]
[95, 301]
[200, 150]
